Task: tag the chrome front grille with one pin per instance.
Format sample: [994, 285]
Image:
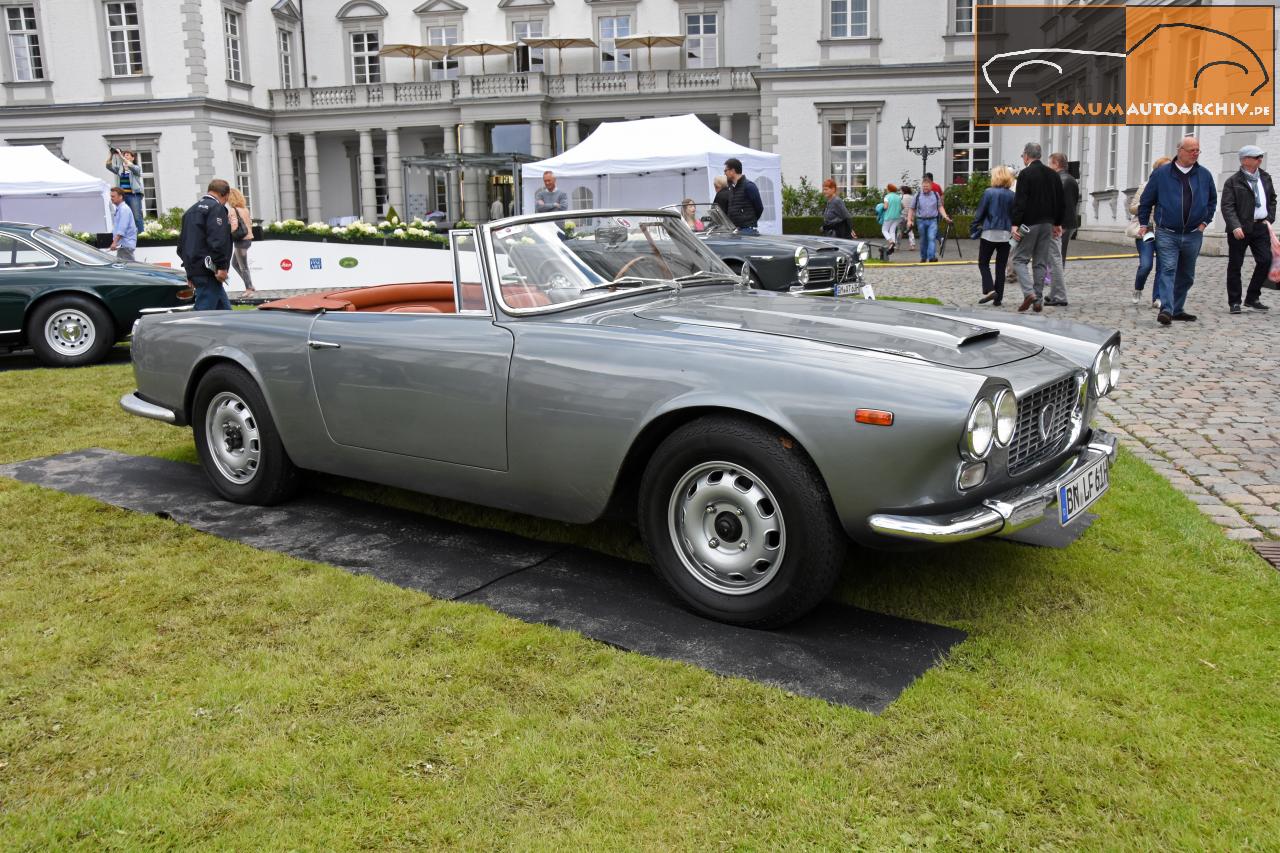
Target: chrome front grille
[842, 268]
[1029, 445]
[821, 275]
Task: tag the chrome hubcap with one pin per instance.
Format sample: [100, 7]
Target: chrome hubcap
[231, 434]
[69, 331]
[727, 528]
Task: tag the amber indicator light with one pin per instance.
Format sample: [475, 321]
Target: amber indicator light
[875, 417]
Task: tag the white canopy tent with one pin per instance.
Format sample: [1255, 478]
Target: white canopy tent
[655, 162]
[36, 186]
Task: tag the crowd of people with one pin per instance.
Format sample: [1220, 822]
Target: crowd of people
[1023, 223]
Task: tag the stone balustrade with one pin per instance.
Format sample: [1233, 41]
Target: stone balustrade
[603, 85]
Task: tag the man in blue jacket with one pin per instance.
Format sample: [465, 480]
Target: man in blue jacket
[204, 246]
[1184, 193]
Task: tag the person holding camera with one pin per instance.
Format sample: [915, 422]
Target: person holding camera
[1146, 245]
[122, 163]
[204, 246]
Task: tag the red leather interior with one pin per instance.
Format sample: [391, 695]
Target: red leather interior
[424, 297]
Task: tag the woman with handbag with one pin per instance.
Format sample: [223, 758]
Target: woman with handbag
[1146, 248]
[993, 224]
[241, 235]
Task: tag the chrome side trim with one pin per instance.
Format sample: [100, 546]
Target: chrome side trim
[10, 331]
[1008, 513]
[135, 405]
[167, 310]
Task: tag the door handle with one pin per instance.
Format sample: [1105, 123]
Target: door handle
[323, 345]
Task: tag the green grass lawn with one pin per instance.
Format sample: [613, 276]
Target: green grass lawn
[161, 688]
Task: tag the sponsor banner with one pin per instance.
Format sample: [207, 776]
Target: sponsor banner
[301, 265]
[1125, 65]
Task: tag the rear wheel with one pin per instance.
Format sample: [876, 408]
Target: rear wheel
[739, 522]
[68, 331]
[237, 440]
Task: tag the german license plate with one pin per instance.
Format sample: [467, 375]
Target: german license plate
[1078, 494]
[846, 288]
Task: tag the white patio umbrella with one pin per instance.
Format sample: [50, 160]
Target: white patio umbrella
[649, 42]
[559, 43]
[482, 49]
[414, 52]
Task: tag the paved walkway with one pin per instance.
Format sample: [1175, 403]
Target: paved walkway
[1200, 402]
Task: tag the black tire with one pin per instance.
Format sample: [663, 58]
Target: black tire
[70, 331]
[760, 470]
[246, 462]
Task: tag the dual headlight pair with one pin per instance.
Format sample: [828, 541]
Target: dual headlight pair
[1106, 370]
[991, 422]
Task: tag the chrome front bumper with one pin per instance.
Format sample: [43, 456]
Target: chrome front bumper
[1004, 514]
[135, 405]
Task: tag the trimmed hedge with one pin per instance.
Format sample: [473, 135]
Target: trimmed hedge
[866, 226]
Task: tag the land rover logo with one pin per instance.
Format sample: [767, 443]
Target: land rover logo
[1046, 421]
[348, 263]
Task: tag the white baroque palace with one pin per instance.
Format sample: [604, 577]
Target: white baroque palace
[290, 101]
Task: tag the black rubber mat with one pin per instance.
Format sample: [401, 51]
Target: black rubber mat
[838, 653]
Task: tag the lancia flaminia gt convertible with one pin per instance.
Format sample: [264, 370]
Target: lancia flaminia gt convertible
[624, 367]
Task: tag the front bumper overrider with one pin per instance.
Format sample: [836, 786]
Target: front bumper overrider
[1003, 514]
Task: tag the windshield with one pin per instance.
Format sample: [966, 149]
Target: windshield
[703, 218]
[73, 248]
[576, 257]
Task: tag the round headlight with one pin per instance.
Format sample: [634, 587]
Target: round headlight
[802, 257]
[1006, 417]
[980, 429]
[1115, 365]
[1102, 373]
[864, 252]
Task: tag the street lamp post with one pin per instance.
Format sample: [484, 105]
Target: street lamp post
[909, 131]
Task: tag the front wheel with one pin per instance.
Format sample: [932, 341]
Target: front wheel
[739, 523]
[68, 331]
[237, 440]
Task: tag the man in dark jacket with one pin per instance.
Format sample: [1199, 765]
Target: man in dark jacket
[745, 205]
[204, 246]
[1038, 212]
[1248, 204]
[1058, 248]
[1184, 197]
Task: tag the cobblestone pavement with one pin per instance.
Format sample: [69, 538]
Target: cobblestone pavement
[1197, 401]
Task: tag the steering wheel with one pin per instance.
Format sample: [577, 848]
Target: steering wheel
[626, 268]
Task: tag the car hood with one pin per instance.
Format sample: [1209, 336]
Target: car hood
[855, 323]
[775, 244]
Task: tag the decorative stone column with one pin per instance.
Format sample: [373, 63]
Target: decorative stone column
[571, 131]
[753, 132]
[284, 178]
[311, 176]
[726, 125]
[368, 199]
[395, 175]
[472, 197]
[451, 202]
[538, 138]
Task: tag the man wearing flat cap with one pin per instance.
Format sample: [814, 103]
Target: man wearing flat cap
[1248, 204]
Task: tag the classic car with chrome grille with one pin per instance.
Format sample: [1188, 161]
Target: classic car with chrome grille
[68, 301]
[626, 369]
[782, 262]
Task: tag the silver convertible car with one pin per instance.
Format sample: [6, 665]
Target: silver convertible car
[622, 367]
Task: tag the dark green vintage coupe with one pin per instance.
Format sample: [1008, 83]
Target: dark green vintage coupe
[70, 302]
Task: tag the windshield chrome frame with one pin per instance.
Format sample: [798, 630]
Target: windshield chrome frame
[491, 259]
